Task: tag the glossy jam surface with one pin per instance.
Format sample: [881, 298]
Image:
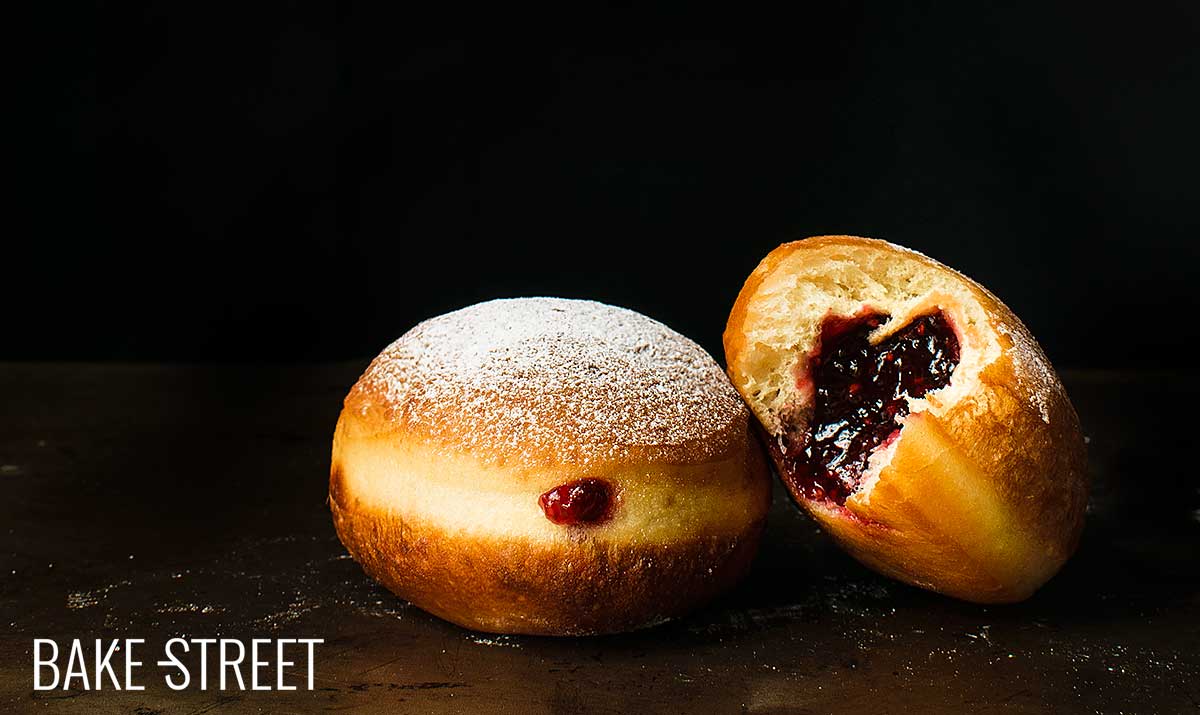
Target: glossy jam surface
[859, 392]
[585, 501]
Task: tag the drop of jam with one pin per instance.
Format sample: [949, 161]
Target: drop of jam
[585, 501]
[859, 396]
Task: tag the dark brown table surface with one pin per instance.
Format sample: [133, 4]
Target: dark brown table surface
[156, 501]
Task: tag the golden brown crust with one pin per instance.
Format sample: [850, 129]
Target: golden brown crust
[518, 585]
[516, 573]
[984, 492]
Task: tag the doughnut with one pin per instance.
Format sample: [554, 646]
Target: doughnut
[548, 466]
[912, 415]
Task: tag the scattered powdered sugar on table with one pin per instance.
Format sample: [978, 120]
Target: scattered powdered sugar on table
[584, 380]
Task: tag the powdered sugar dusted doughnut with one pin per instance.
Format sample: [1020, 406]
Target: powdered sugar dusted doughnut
[548, 466]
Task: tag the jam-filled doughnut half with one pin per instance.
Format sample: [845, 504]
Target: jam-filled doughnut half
[912, 415]
[548, 466]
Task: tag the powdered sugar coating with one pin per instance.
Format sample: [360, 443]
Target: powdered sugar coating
[573, 381]
[1035, 377]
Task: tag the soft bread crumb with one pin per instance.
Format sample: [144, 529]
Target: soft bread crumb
[783, 325]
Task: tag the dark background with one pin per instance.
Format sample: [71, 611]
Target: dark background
[279, 183]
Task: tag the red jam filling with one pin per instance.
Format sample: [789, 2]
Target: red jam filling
[859, 392]
[585, 501]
